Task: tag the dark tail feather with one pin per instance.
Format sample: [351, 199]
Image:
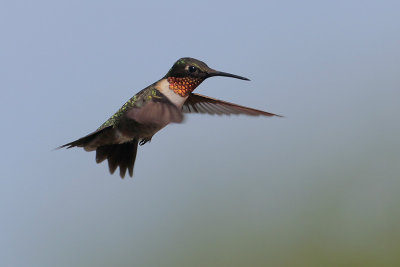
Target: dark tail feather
[92, 140]
[118, 155]
[122, 155]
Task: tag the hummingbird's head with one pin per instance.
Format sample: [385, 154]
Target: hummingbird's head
[187, 73]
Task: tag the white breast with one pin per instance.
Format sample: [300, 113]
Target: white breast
[163, 87]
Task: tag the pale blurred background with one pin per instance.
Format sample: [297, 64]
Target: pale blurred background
[319, 187]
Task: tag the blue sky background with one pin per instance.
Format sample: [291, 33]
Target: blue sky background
[316, 187]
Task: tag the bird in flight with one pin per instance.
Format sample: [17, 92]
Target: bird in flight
[153, 108]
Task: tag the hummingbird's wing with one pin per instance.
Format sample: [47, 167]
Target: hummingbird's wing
[158, 110]
[203, 104]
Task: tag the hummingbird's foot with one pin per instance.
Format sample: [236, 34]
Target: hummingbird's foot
[144, 141]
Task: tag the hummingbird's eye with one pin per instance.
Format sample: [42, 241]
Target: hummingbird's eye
[192, 69]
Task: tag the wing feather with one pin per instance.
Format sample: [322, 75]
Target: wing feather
[156, 112]
[197, 103]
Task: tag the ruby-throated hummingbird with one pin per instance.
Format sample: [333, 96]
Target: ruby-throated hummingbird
[154, 107]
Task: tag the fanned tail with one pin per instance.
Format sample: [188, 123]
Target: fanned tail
[119, 155]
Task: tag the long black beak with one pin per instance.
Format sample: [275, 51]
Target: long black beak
[225, 74]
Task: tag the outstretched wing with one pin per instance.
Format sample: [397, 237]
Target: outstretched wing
[203, 104]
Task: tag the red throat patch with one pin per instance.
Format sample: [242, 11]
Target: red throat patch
[183, 86]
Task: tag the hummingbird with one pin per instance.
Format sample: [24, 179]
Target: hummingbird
[163, 102]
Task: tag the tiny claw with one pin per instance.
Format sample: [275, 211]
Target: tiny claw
[144, 141]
